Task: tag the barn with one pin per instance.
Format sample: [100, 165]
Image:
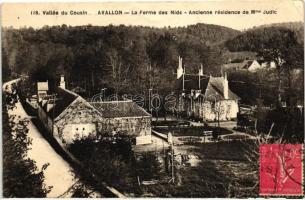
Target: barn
[68, 116]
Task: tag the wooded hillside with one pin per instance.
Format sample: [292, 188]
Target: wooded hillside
[117, 57]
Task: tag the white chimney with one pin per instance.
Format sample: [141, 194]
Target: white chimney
[62, 83]
[50, 105]
[200, 73]
[201, 70]
[225, 87]
[179, 69]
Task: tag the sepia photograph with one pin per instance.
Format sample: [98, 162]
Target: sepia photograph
[153, 99]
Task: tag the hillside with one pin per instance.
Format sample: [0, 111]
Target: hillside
[209, 33]
[92, 57]
[253, 39]
[297, 27]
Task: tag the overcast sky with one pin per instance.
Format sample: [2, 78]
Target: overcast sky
[18, 15]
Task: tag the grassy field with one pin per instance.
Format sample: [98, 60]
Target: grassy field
[223, 172]
[233, 150]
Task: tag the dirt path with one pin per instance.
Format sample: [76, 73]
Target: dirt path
[58, 174]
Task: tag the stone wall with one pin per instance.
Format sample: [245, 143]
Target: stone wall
[135, 126]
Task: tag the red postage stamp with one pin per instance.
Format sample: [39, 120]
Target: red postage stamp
[281, 170]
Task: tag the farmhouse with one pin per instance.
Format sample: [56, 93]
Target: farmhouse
[67, 116]
[205, 97]
[248, 65]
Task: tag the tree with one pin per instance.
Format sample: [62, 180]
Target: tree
[106, 158]
[148, 167]
[277, 49]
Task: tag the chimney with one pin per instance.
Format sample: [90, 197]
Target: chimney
[200, 73]
[50, 105]
[201, 70]
[179, 69]
[225, 87]
[62, 83]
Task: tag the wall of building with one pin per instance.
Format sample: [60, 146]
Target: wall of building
[134, 126]
[81, 119]
[77, 120]
[73, 131]
[225, 110]
[254, 66]
[41, 94]
[44, 118]
[208, 111]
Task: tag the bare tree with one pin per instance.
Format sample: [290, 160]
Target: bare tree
[118, 72]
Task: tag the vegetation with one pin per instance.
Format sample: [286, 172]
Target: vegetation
[261, 87]
[274, 44]
[202, 181]
[285, 123]
[94, 57]
[222, 172]
[21, 177]
[112, 161]
[192, 131]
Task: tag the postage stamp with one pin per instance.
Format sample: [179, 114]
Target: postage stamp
[281, 170]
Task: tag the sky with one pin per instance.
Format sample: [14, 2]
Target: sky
[19, 14]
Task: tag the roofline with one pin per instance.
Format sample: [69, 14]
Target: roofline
[144, 110]
[138, 117]
[128, 101]
[78, 97]
[69, 91]
[110, 101]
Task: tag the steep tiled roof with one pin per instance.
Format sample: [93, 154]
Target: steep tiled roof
[242, 65]
[191, 82]
[63, 99]
[248, 64]
[215, 89]
[113, 109]
[210, 86]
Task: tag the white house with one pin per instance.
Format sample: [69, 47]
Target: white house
[248, 65]
[253, 66]
[206, 97]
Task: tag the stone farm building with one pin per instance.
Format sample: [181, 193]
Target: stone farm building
[205, 97]
[67, 115]
[248, 65]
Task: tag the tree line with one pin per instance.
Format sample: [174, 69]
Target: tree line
[94, 57]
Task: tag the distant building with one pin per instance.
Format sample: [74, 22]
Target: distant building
[253, 66]
[206, 97]
[68, 116]
[42, 89]
[248, 65]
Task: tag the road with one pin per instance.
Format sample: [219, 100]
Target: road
[58, 174]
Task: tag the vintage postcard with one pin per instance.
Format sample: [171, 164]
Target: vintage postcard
[165, 99]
